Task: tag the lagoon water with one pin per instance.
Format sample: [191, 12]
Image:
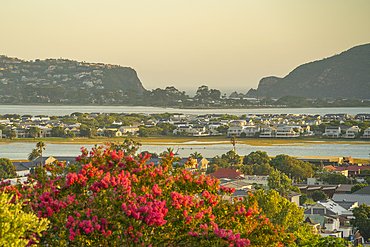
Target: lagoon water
[61, 110]
[209, 150]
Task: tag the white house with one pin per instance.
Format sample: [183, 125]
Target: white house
[352, 132]
[251, 131]
[129, 129]
[366, 133]
[332, 132]
[235, 131]
[286, 132]
[267, 132]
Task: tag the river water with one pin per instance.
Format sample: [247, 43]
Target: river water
[209, 150]
[62, 110]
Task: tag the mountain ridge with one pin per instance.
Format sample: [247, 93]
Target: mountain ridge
[61, 80]
[345, 75]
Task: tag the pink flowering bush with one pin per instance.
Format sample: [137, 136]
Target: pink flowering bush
[118, 199]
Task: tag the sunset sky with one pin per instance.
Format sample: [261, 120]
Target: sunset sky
[228, 45]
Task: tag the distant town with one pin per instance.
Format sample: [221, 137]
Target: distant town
[90, 125]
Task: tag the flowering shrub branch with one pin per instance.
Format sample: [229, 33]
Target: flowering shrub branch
[118, 199]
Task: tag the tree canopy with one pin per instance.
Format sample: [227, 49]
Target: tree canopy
[362, 220]
[7, 169]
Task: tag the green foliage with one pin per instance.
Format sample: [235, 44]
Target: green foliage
[362, 220]
[319, 195]
[357, 187]
[257, 157]
[196, 155]
[302, 199]
[279, 181]
[262, 169]
[7, 169]
[33, 132]
[279, 210]
[16, 226]
[365, 171]
[57, 131]
[230, 160]
[222, 129]
[334, 178]
[297, 169]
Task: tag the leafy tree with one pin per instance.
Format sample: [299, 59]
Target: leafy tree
[288, 165]
[57, 131]
[167, 128]
[33, 131]
[109, 133]
[357, 187]
[279, 181]
[17, 227]
[334, 178]
[362, 220]
[319, 195]
[11, 134]
[85, 131]
[202, 92]
[214, 94]
[262, 169]
[143, 132]
[7, 169]
[302, 199]
[257, 157]
[280, 211]
[69, 134]
[222, 129]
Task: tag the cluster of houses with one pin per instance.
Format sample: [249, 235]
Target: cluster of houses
[263, 126]
[328, 218]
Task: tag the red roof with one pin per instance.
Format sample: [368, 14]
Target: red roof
[349, 168]
[332, 168]
[227, 173]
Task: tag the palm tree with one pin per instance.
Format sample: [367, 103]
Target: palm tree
[233, 141]
[33, 155]
[196, 155]
[40, 146]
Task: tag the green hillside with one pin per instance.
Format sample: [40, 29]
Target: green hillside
[63, 81]
[346, 75]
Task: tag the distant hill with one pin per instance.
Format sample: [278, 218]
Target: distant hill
[346, 75]
[62, 80]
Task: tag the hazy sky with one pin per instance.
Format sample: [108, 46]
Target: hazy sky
[229, 45]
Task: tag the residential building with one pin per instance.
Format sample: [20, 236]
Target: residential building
[286, 132]
[366, 133]
[332, 132]
[352, 132]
